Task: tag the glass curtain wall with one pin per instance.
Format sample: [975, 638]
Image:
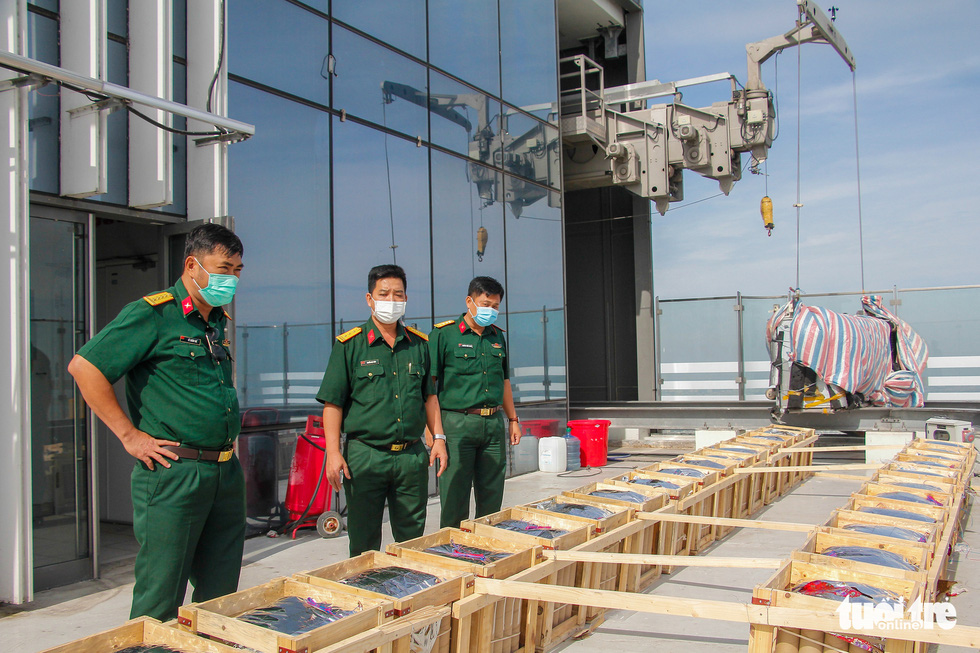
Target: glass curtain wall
[420, 133]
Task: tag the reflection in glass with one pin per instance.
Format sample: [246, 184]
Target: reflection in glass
[117, 17]
[401, 24]
[298, 62]
[463, 41]
[531, 148]
[43, 107]
[180, 28]
[280, 177]
[381, 215]
[379, 85]
[460, 208]
[58, 425]
[535, 317]
[117, 125]
[528, 54]
[464, 120]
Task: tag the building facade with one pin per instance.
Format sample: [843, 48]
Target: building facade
[422, 132]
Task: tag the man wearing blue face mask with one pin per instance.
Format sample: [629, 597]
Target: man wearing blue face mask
[188, 487]
[469, 363]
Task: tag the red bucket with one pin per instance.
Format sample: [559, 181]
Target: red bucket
[593, 435]
[541, 428]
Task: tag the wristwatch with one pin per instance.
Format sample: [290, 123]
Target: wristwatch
[515, 419]
[438, 436]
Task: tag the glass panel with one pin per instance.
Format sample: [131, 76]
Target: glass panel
[280, 45]
[464, 120]
[534, 291]
[287, 268]
[699, 350]
[59, 433]
[43, 107]
[466, 200]
[117, 17]
[381, 215]
[531, 148]
[379, 85]
[180, 144]
[51, 5]
[528, 53]
[401, 24]
[118, 129]
[463, 41]
[180, 28]
[755, 348]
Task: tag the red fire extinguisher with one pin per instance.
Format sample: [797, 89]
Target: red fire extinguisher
[309, 497]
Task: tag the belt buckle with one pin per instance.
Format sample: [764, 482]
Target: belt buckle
[225, 456]
[486, 412]
[398, 446]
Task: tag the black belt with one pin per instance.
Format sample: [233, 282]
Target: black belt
[191, 453]
[482, 412]
[394, 446]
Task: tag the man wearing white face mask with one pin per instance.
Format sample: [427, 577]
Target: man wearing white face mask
[378, 390]
[469, 362]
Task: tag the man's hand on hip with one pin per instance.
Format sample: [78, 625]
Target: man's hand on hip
[147, 449]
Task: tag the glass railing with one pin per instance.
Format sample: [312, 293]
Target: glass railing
[714, 349]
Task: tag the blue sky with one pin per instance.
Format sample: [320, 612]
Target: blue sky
[918, 83]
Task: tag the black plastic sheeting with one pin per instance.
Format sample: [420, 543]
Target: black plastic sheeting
[473, 554]
[911, 498]
[917, 486]
[901, 514]
[918, 472]
[775, 438]
[622, 495]
[530, 528]
[398, 582]
[294, 616]
[870, 555]
[683, 471]
[739, 449]
[921, 460]
[887, 531]
[574, 509]
[651, 482]
[782, 432]
[703, 463]
[856, 592]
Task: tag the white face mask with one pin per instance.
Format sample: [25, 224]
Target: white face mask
[388, 312]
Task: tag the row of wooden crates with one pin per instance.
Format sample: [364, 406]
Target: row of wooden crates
[935, 513]
[449, 616]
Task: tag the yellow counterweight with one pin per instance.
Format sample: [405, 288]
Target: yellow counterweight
[766, 209]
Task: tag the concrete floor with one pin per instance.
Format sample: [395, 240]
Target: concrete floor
[64, 614]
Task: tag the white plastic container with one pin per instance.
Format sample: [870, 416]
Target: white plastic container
[524, 456]
[552, 454]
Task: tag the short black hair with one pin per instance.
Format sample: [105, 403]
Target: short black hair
[485, 286]
[389, 271]
[210, 237]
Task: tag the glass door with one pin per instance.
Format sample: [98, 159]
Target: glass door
[62, 534]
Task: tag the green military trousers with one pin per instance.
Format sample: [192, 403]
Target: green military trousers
[478, 460]
[189, 521]
[377, 475]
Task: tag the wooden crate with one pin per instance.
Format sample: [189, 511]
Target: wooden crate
[961, 448]
[454, 584]
[620, 515]
[843, 517]
[918, 553]
[522, 555]
[912, 473]
[926, 459]
[144, 631]
[685, 485]
[709, 478]
[397, 635]
[937, 513]
[924, 471]
[728, 466]
[943, 485]
[945, 499]
[655, 498]
[218, 618]
[775, 592]
[578, 531]
[743, 459]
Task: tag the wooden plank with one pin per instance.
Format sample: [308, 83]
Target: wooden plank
[968, 636]
[808, 468]
[662, 559]
[863, 447]
[724, 521]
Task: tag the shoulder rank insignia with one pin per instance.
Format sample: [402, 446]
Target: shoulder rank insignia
[226, 314]
[347, 335]
[417, 332]
[158, 298]
[444, 324]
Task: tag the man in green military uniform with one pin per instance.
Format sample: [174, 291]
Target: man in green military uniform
[188, 487]
[469, 362]
[377, 388]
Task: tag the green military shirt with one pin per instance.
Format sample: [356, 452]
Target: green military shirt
[381, 389]
[471, 368]
[174, 388]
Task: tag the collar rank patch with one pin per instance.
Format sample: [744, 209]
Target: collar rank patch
[371, 337]
[187, 305]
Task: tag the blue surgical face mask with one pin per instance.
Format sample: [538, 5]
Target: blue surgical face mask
[485, 316]
[220, 289]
